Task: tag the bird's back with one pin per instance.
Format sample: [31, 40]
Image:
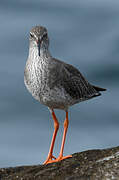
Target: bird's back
[73, 82]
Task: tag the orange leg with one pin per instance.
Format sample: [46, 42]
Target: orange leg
[61, 157]
[66, 123]
[56, 127]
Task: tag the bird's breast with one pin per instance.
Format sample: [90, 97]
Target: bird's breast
[42, 82]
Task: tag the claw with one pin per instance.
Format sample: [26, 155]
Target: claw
[60, 158]
[49, 159]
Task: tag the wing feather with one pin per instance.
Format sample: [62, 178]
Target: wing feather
[67, 76]
[76, 85]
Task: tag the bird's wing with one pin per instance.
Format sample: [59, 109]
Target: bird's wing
[75, 84]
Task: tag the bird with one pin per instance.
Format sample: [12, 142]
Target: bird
[55, 84]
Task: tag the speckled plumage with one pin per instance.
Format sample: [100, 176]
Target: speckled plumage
[53, 82]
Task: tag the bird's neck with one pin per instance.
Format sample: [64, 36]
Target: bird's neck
[34, 52]
[44, 53]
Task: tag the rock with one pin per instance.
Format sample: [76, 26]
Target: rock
[87, 165]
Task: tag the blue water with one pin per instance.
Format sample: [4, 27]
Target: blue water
[83, 33]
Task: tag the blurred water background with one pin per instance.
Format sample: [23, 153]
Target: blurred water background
[82, 33]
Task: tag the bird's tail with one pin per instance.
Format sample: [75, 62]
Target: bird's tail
[99, 89]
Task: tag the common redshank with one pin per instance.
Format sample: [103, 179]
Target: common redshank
[54, 83]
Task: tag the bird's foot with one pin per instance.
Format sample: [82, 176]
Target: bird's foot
[60, 158]
[49, 159]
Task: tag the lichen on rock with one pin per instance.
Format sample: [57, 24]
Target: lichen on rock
[88, 165]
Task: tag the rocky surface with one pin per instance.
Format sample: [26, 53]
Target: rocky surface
[87, 165]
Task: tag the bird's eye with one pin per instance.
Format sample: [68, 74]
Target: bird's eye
[45, 35]
[31, 35]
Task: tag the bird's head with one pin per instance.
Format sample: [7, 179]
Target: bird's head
[39, 38]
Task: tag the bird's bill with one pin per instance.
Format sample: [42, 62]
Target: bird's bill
[38, 43]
